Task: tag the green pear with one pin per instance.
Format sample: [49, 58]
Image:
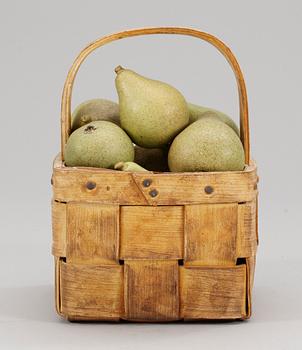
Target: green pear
[98, 144]
[199, 112]
[206, 145]
[152, 112]
[95, 109]
[129, 166]
[154, 159]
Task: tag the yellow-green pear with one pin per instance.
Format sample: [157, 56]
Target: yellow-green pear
[152, 112]
[206, 145]
[200, 112]
[95, 109]
[98, 144]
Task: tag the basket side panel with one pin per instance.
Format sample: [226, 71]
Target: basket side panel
[213, 292]
[151, 232]
[92, 233]
[91, 292]
[151, 290]
[58, 229]
[210, 234]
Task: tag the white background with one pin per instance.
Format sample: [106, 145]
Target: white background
[39, 41]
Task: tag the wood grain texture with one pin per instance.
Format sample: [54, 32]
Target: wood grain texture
[151, 290]
[93, 233]
[151, 232]
[58, 211]
[210, 234]
[247, 230]
[213, 292]
[92, 292]
[218, 44]
[125, 188]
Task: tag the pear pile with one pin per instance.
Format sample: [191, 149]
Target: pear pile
[152, 128]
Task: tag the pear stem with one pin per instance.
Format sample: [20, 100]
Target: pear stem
[118, 69]
[119, 166]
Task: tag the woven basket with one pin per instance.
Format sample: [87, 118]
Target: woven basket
[154, 246]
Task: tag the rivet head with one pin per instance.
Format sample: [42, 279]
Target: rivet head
[209, 189]
[90, 185]
[153, 193]
[147, 182]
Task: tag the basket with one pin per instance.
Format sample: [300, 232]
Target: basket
[154, 247]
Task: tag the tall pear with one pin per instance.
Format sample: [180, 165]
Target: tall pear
[152, 112]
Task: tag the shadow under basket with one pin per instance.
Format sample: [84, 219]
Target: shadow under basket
[154, 247]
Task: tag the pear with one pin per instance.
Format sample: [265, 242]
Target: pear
[199, 112]
[152, 112]
[98, 144]
[206, 145]
[154, 159]
[129, 166]
[95, 109]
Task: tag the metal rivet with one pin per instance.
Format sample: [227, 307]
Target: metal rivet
[153, 193]
[147, 182]
[91, 185]
[209, 189]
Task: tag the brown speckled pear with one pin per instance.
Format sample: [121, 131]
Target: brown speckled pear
[129, 166]
[152, 112]
[200, 112]
[206, 145]
[98, 144]
[154, 159]
[95, 109]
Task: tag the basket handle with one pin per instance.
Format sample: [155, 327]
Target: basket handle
[243, 104]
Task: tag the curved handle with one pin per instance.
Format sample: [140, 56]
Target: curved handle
[243, 104]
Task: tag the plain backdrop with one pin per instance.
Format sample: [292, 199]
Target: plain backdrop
[39, 41]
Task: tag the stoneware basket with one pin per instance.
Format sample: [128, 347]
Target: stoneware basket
[154, 247]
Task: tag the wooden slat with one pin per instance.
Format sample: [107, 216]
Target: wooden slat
[151, 290]
[125, 188]
[151, 232]
[93, 233]
[58, 229]
[92, 292]
[247, 230]
[189, 188]
[210, 234]
[213, 292]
